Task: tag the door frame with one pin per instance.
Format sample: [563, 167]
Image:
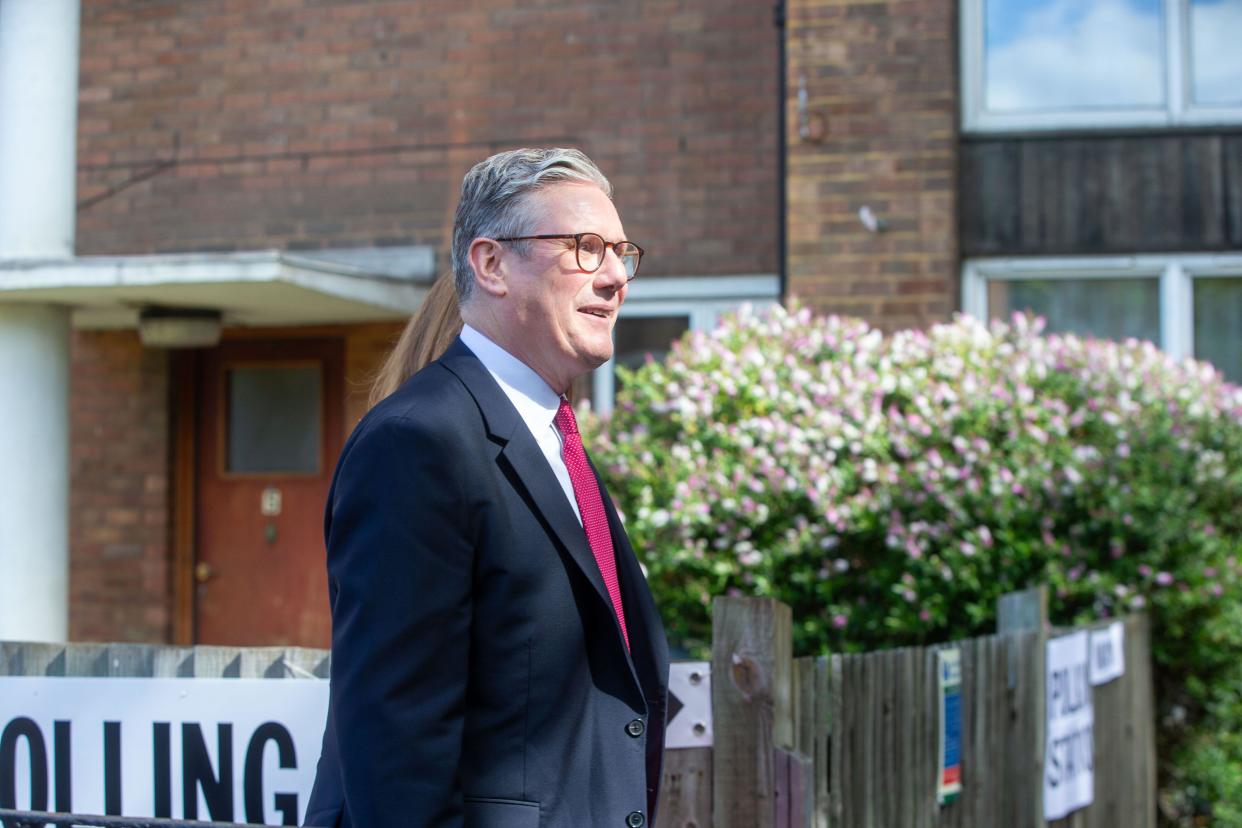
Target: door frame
[184, 492]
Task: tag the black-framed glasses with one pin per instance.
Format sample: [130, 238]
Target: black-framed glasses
[590, 249]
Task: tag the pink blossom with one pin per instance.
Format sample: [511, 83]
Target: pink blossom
[839, 621]
[1164, 578]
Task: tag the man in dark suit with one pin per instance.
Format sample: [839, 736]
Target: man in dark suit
[497, 660]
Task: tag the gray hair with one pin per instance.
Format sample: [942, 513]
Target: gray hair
[493, 198]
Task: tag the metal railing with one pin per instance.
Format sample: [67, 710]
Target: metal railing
[40, 819]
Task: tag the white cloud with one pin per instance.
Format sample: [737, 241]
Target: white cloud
[1216, 53]
[1079, 53]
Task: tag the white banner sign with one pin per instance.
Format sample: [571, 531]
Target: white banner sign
[1069, 776]
[1108, 653]
[231, 750]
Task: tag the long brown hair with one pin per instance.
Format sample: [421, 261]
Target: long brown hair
[427, 335]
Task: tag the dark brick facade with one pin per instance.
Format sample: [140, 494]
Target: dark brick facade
[119, 587]
[226, 124]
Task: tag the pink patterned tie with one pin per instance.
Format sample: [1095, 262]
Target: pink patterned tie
[591, 506]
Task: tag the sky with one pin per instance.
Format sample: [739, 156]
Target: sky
[1058, 54]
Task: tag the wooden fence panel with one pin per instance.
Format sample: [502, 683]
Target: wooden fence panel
[686, 789]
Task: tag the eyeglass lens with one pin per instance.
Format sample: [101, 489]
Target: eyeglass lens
[591, 250]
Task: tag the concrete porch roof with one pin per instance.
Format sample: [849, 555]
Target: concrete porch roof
[268, 288]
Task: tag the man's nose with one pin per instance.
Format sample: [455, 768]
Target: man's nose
[611, 273]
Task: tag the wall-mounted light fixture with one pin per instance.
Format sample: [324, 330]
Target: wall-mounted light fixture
[160, 327]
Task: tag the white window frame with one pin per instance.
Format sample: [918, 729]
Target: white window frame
[1176, 273]
[703, 299]
[1178, 110]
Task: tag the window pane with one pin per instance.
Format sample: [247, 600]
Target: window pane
[1218, 325]
[1103, 308]
[1216, 60]
[642, 336]
[273, 419]
[1067, 54]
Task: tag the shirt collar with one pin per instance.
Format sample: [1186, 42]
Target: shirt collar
[533, 398]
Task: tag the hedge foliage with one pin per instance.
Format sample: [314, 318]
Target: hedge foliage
[890, 489]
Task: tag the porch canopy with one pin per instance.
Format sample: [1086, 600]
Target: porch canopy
[261, 288]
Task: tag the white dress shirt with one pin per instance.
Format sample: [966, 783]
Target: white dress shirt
[534, 399]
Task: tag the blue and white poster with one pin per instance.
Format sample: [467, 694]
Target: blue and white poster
[949, 779]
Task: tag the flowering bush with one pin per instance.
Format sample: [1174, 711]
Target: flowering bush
[891, 489]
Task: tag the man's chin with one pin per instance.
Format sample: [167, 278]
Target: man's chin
[599, 358]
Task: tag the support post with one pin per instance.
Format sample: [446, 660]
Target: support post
[38, 166]
[1027, 612]
[752, 650]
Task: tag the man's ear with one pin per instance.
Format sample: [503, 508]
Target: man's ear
[486, 261]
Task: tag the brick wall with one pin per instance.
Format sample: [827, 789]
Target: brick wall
[881, 83]
[235, 124]
[119, 579]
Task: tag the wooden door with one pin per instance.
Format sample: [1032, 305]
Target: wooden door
[269, 429]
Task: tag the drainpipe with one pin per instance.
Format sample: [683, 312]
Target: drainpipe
[782, 200]
[38, 165]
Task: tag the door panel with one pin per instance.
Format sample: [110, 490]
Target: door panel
[269, 431]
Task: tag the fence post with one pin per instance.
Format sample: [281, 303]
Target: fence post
[1022, 611]
[752, 651]
[1027, 611]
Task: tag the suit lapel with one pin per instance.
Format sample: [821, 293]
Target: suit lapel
[523, 455]
[649, 658]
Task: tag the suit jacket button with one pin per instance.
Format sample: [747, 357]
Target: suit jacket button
[635, 819]
[635, 729]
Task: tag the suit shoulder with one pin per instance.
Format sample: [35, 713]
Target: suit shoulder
[432, 405]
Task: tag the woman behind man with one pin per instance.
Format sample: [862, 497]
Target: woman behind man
[427, 335]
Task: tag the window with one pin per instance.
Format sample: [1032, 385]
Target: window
[658, 310]
[1190, 305]
[1218, 324]
[273, 419]
[1058, 64]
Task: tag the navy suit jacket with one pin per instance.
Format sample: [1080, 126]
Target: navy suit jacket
[479, 676]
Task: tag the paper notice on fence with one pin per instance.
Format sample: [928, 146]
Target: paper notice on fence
[1108, 653]
[949, 778]
[1069, 776]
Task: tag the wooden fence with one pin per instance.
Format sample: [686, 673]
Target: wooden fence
[851, 741]
[835, 741]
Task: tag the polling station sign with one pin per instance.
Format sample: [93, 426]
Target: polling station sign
[1069, 754]
[1108, 653]
[230, 750]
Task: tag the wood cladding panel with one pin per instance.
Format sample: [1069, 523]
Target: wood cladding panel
[1087, 195]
